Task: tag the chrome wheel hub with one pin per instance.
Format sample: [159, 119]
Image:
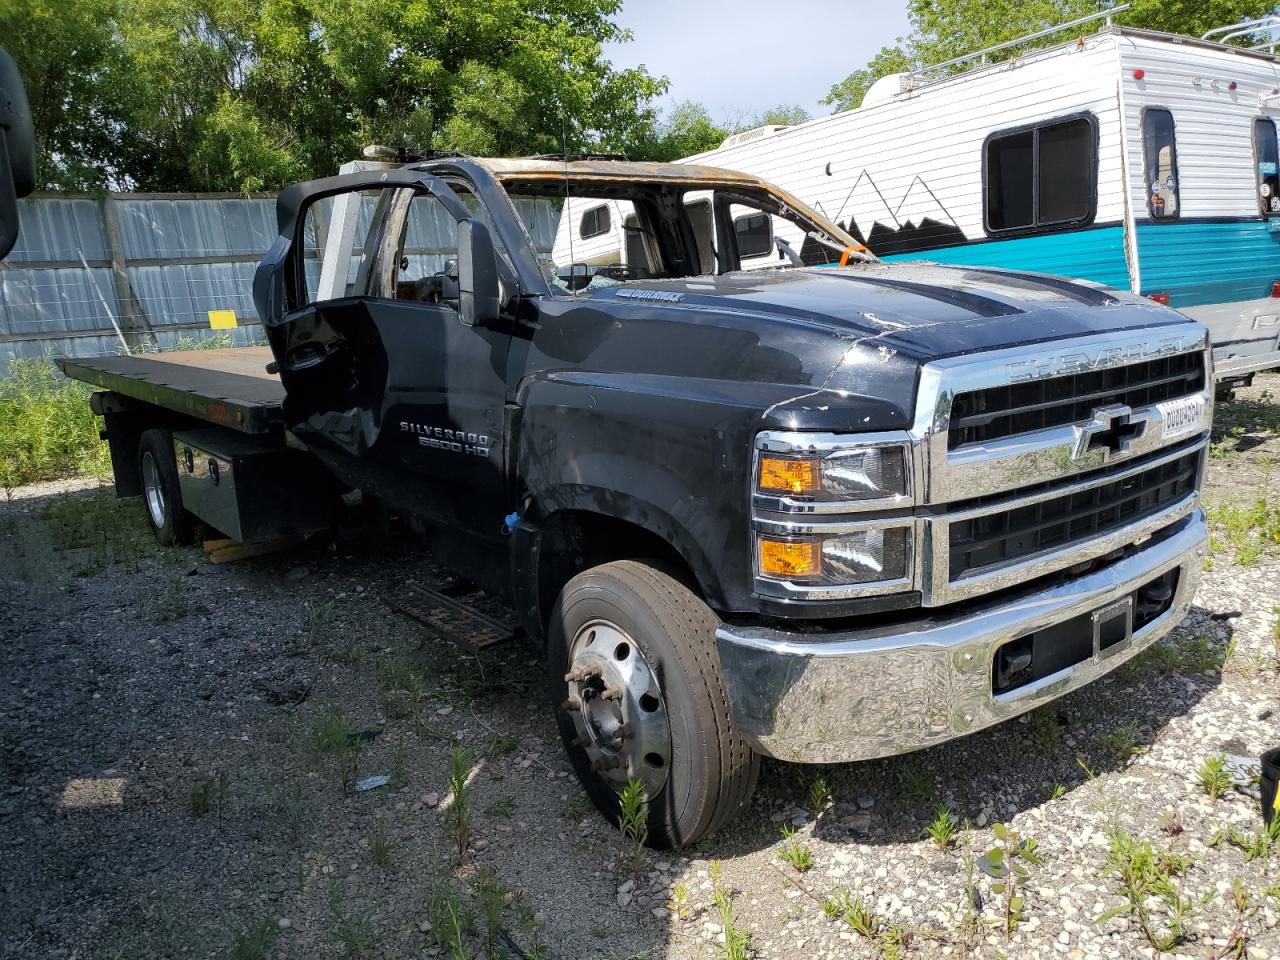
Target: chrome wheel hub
[152, 490]
[617, 707]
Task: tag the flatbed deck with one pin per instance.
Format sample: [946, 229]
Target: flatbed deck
[228, 387]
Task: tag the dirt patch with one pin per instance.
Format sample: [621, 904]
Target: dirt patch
[184, 746]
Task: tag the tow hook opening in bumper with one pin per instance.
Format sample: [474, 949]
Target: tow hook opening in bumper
[1096, 634]
[834, 696]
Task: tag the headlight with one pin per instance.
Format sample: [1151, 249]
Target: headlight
[873, 555]
[814, 495]
[855, 477]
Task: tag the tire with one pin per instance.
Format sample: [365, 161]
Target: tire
[161, 495]
[710, 771]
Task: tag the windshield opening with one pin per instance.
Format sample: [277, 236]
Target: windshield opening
[612, 232]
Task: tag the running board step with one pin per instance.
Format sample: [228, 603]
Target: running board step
[451, 618]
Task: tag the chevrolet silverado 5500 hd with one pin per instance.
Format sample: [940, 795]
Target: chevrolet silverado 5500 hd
[827, 511]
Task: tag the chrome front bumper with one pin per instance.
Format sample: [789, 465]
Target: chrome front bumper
[855, 695]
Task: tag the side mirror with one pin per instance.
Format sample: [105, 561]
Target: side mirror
[17, 151]
[478, 296]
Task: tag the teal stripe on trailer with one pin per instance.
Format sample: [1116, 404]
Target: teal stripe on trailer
[1199, 263]
[1095, 254]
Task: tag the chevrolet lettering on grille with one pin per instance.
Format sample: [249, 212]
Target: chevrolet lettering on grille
[1083, 361]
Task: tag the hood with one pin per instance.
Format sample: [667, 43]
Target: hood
[922, 310]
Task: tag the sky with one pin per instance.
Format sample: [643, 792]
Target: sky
[748, 55]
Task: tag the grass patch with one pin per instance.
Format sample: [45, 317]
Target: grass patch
[794, 852]
[1152, 898]
[1213, 777]
[255, 943]
[331, 738]
[47, 430]
[98, 531]
[1246, 531]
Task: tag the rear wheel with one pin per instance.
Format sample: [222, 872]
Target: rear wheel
[161, 495]
[636, 680]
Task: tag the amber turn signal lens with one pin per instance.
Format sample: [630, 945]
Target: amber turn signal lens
[781, 559]
[791, 476]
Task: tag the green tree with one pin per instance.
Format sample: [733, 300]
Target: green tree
[250, 94]
[944, 29]
[687, 129]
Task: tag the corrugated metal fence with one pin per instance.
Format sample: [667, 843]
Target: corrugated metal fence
[89, 276]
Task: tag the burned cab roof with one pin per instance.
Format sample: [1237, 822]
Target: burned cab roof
[530, 168]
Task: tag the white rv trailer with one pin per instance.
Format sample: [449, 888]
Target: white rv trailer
[1128, 158]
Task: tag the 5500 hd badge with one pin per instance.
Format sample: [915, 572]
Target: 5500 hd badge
[454, 441]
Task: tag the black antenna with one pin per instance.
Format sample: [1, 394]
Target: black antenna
[564, 147]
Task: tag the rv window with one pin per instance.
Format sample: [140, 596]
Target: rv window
[1160, 154]
[1010, 166]
[1265, 158]
[754, 233]
[595, 223]
[1042, 178]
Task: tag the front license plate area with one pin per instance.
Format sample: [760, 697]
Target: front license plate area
[1181, 417]
[1112, 626]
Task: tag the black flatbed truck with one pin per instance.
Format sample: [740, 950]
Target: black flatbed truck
[816, 507]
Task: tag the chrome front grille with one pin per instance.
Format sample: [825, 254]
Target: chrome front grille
[1017, 481]
[989, 540]
[994, 413]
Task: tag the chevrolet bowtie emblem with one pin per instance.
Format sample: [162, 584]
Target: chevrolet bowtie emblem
[1109, 431]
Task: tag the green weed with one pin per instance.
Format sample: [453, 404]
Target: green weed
[503, 808]
[1007, 863]
[1213, 777]
[255, 943]
[1122, 742]
[211, 793]
[633, 821]
[1256, 845]
[1043, 729]
[458, 814]
[737, 939]
[819, 794]
[1151, 898]
[331, 738]
[678, 904]
[944, 828]
[380, 849]
[915, 783]
[794, 852]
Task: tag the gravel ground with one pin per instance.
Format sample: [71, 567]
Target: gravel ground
[176, 735]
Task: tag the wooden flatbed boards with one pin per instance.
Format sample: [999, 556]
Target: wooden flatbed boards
[229, 387]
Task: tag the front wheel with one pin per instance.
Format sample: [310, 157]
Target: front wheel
[639, 696]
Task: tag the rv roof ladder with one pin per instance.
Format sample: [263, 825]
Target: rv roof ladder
[980, 56]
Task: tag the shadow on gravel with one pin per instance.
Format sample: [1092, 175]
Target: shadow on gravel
[997, 773]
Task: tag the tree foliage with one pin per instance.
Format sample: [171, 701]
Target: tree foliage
[689, 129]
[942, 30]
[250, 94]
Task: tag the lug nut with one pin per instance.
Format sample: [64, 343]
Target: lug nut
[605, 764]
[571, 705]
[611, 693]
[581, 740]
[586, 673]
